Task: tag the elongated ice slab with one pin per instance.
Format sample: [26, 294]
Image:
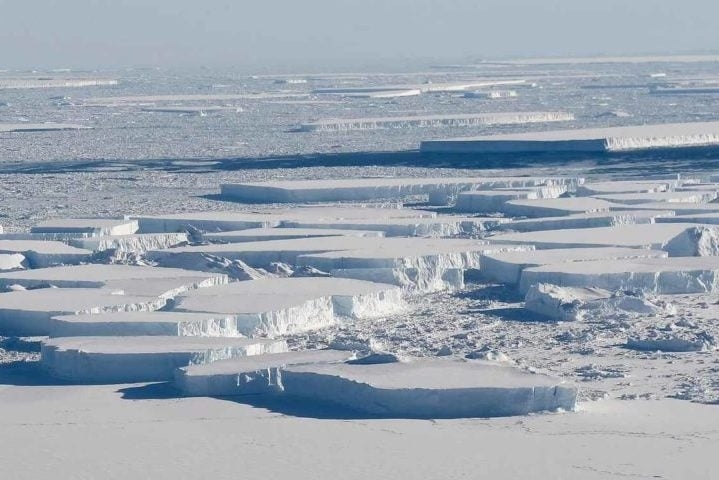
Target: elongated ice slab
[429, 388]
[598, 140]
[136, 243]
[140, 323]
[41, 254]
[456, 120]
[38, 127]
[674, 275]
[253, 375]
[507, 267]
[279, 306]
[88, 226]
[142, 359]
[441, 191]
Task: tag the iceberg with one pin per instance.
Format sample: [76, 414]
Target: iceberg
[142, 359]
[440, 191]
[455, 120]
[93, 227]
[429, 388]
[251, 375]
[596, 140]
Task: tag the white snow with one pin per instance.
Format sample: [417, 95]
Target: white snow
[12, 261]
[455, 120]
[669, 197]
[597, 140]
[141, 359]
[429, 388]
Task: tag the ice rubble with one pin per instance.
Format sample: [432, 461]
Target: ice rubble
[279, 306]
[441, 191]
[672, 340]
[678, 239]
[455, 120]
[674, 275]
[578, 303]
[588, 220]
[39, 127]
[142, 359]
[248, 375]
[89, 226]
[480, 201]
[507, 267]
[597, 140]
[135, 243]
[429, 388]
[144, 323]
[41, 253]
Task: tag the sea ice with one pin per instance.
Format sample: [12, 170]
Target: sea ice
[136, 243]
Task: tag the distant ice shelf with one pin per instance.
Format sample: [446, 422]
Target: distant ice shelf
[457, 120]
[28, 83]
[596, 140]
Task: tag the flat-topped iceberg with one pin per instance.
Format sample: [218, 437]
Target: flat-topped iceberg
[429, 388]
[454, 120]
[142, 359]
[589, 140]
[440, 191]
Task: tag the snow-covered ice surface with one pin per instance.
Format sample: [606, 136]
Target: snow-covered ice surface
[642, 351]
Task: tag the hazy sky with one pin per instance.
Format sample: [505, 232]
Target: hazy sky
[285, 35]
